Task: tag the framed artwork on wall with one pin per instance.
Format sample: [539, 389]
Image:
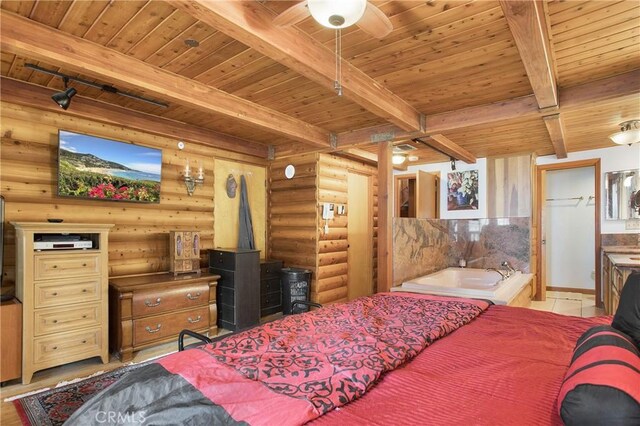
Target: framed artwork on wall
[463, 191]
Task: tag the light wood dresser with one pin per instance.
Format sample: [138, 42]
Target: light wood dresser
[63, 293]
[146, 310]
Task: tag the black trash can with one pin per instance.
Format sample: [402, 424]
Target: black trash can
[296, 284]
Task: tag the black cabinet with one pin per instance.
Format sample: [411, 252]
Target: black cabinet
[270, 289]
[238, 291]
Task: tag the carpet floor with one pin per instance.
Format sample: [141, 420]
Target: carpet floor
[54, 406]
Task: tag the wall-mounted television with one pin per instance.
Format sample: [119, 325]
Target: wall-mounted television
[103, 169]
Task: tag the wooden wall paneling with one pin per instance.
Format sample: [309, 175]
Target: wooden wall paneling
[139, 239]
[292, 233]
[332, 279]
[226, 210]
[509, 186]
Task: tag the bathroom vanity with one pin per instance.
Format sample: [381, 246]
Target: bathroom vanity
[618, 262]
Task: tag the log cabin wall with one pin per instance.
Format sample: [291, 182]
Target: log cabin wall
[296, 227]
[139, 241]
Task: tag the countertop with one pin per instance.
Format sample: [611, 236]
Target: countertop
[625, 260]
[621, 249]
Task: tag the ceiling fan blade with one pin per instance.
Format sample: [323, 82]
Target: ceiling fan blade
[374, 22]
[293, 15]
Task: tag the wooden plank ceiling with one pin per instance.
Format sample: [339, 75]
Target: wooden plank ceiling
[442, 56]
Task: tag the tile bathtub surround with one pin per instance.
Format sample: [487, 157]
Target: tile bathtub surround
[620, 239]
[423, 246]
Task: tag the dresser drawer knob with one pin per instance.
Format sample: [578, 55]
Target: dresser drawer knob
[151, 330]
[84, 317]
[55, 293]
[84, 342]
[84, 265]
[84, 290]
[192, 297]
[55, 266]
[55, 347]
[193, 321]
[55, 321]
[150, 304]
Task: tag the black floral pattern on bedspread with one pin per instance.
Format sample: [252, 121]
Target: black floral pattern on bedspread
[332, 356]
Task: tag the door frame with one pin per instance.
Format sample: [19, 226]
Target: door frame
[541, 170]
[370, 227]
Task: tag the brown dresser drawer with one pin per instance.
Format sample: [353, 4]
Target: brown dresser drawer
[161, 326]
[63, 292]
[152, 302]
[66, 347]
[55, 320]
[47, 266]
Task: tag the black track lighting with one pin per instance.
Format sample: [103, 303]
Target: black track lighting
[453, 163]
[63, 99]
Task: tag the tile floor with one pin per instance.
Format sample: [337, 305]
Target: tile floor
[566, 303]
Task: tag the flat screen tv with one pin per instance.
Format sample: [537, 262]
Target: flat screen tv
[103, 169]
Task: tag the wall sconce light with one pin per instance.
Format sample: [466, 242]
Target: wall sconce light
[189, 181]
[453, 163]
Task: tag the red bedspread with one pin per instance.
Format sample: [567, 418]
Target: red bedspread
[504, 368]
[294, 370]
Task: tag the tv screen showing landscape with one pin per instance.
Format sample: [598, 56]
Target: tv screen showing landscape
[104, 169]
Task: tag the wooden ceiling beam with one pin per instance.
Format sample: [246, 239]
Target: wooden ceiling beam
[443, 144]
[527, 22]
[439, 123]
[252, 24]
[22, 36]
[31, 95]
[611, 89]
[555, 127]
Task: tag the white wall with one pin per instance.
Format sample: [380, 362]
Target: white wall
[569, 228]
[443, 169]
[616, 158]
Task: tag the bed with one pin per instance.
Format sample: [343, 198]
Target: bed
[393, 358]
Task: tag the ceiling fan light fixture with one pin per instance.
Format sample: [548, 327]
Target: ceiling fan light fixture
[629, 133]
[397, 159]
[337, 14]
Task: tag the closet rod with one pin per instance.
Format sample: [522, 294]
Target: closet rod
[565, 199]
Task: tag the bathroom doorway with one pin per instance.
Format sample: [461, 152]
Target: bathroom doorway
[568, 237]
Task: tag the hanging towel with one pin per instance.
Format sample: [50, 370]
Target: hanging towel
[245, 233]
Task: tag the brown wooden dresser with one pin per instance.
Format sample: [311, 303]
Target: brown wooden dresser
[63, 293]
[151, 309]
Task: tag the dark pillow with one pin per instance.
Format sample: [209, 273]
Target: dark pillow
[602, 385]
[627, 317]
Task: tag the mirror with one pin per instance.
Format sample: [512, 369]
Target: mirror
[622, 195]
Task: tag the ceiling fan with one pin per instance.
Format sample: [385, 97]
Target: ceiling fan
[338, 14]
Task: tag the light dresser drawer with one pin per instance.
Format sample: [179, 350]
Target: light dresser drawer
[67, 347]
[153, 302]
[49, 266]
[56, 320]
[162, 326]
[63, 292]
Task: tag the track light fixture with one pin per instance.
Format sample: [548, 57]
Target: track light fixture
[64, 98]
[453, 163]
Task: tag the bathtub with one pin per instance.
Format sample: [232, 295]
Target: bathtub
[468, 282]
